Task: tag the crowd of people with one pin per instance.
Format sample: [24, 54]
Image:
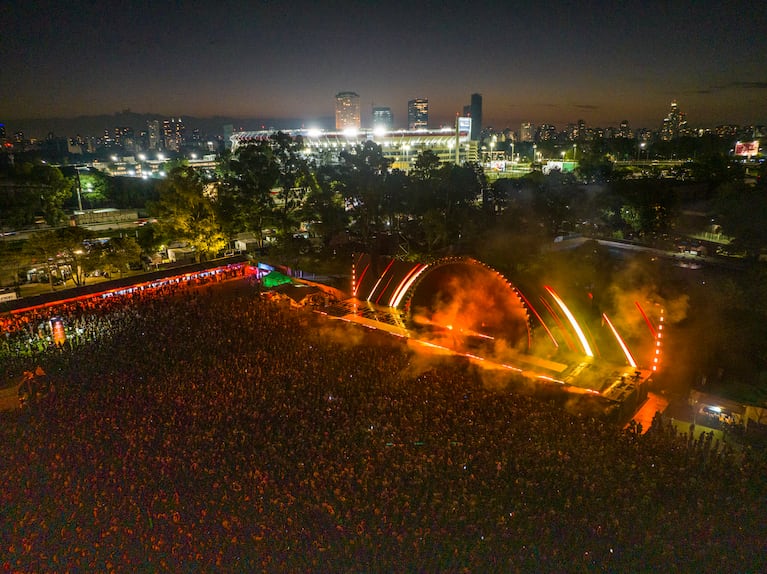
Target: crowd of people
[211, 430]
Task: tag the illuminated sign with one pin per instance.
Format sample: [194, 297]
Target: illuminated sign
[57, 329]
[464, 125]
[748, 149]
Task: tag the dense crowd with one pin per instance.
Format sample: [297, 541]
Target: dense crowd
[213, 431]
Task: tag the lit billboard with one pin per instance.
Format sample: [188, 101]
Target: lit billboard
[464, 125]
[748, 149]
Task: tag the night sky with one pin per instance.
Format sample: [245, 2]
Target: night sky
[545, 62]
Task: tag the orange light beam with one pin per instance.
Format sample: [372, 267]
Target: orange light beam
[620, 340]
[401, 283]
[558, 321]
[570, 317]
[380, 279]
[646, 318]
[530, 306]
[362, 275]
[405, 284]
[384, 289]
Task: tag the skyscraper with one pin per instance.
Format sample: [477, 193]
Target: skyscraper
[526, 132]
[173, 131]
[382, 118]
[674, 124]
[418, 114]
[476, 116]
[347, 110]
[153, 134]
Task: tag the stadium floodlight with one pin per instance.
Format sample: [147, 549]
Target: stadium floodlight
[351, 132]
[314, 132]
[379, 131]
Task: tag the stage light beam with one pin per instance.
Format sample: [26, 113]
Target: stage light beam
[570, 317]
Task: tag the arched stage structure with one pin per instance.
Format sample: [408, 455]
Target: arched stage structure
[458, 294]
[461, 306]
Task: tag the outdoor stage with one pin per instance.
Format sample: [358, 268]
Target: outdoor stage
[618, 391]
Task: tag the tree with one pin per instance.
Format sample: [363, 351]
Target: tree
[595, 167]
[324, 206]
[73, 252]
[363, 173]
[120, 253]
[741, 210]
[425, 166]
[553, 201]
[294, 181]
[185, 213]
[244, 200]
[38, 189]
[42, 249]
[445, 204]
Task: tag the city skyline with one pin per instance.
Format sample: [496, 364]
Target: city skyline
[555, 64]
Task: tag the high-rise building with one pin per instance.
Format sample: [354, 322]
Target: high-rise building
[546, 132]
[153, 134]
[418, 114]
[526, 132]
[382, 118]
[674, 124]
[347, 111]
[476, 116]
[173, 134]
[124, 136]
[625, 130]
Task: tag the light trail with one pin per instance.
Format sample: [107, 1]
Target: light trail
[570, 317]
[402, 283]
[362, 276]
[646, 318]
[658, 342]
[380, 279]
[384, 289]
[406, 284]
[561, 325]
[620, 340]
[530, 306]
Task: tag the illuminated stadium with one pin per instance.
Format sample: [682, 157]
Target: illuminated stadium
[400, 147]
[460, 306]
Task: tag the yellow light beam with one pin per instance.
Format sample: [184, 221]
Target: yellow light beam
[573, 322]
